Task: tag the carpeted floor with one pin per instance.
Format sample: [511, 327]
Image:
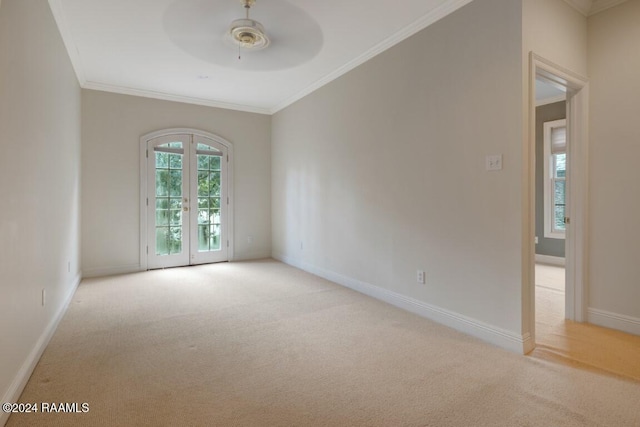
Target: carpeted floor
[578, 344]
[263, 344]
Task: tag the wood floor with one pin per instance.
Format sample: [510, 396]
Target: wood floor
[578, 344]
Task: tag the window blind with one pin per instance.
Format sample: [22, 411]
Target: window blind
[558, 140]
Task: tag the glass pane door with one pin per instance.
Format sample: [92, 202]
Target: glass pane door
[187, 201]
[209, 190]
[168, 204]
[208, 202]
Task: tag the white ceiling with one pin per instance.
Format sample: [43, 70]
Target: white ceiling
[174, 49]
[546, 93]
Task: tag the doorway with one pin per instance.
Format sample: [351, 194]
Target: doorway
[551, 160]
[570, 173]
[186, 199]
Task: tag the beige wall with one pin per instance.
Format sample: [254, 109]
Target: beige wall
[40, 175]
[382, 172]
[372, 177]
[614, 70]
[112, 125]
[557, 32]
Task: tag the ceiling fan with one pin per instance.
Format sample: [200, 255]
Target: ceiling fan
[210, 29]
[248, 33]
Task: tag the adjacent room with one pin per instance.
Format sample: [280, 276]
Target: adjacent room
[266, 212]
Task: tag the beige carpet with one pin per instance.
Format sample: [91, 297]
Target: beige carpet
[564, 341]
[263, 344]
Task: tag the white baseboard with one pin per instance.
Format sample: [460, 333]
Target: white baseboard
[491, 334]
[25, 371]
[548, 259]
[112, 271]
[610, 320]
[528, 345]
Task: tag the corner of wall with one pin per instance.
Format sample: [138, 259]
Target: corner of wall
[21, 378]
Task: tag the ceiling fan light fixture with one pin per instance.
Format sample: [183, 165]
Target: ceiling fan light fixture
[248, 33]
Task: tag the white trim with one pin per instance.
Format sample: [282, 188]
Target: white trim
[610, 320]
[601, 5]
[441, 11]
[226, 158]
[143, 188]
[175, 98]
[488, 333]
[577, 233]
[67, 37]
[22, 376]
[557, 74]
[435, 15]
[181, 258]
[112, 271]
[591, 7]
[142, 258]
[582, 6]
[551, 100]
[577, 238]
[552, 260]
[528, 344]
[230, 210]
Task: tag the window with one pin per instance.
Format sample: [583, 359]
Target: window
[555, 175]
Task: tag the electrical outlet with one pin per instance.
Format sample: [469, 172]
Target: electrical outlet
[420, 277]
[44, 296]
[536, 240]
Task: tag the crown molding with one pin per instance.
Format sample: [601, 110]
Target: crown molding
[591, 7]
[600, 5]
[175, 98]
[435, 15]
[582, 6]
[76, 61]
[67, 39]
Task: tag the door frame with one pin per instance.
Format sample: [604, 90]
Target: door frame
[576, 239]
[144, 139]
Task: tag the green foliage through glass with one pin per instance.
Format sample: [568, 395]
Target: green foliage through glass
[169, 201]
[209, 196]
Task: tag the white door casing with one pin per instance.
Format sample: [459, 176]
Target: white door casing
[202, 230]
[576, 242]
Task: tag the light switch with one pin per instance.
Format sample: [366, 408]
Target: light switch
[494, 162]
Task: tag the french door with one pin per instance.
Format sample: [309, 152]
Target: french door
[187, 203]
